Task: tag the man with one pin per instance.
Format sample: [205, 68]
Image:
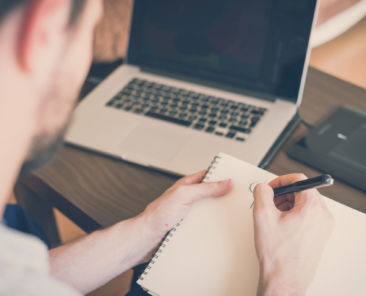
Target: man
[45, 51]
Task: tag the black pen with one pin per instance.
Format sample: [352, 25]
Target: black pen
[316, 182]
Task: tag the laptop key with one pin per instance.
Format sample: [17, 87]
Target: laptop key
[204, 98]
[210, 129]
[168, 118]
[253, 124]
[126, 92]
[240, 129]
[230, 134]
[138, 110]
[198, 126]
[257, 112]
[214, 100]
[192, 117]
[254, 121]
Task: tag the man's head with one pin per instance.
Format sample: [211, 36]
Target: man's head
[45, 53]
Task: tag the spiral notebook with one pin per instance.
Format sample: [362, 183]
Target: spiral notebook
[211, 252]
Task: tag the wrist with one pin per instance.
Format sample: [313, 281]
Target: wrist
[150, 233]
[142, 239]
[275, 283]
[278, 288]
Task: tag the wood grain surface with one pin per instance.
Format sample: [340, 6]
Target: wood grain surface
[96, 191]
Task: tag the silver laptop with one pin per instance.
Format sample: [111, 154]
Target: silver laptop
[200, 77]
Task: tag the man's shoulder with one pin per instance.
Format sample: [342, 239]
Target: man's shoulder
[25, 267]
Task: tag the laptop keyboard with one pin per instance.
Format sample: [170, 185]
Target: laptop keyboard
[210, 114]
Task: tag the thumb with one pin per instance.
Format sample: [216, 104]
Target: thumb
[263, 198]
[198, 191]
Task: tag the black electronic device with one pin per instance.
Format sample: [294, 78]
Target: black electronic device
[257, 47]
[337, 147]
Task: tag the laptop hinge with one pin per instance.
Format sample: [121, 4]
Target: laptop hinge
[208, 83]
[281, 140]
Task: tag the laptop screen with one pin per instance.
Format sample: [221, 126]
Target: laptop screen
[254, 45]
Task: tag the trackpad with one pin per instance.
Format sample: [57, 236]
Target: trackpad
[150, 141]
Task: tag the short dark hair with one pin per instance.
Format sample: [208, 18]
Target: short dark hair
[8, 5]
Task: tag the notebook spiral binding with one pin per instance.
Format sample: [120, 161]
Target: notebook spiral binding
[170, 234]
[211, 168]
[159, 251]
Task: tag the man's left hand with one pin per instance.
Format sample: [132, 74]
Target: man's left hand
[165, 212]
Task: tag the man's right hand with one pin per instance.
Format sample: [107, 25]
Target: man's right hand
[290, 235]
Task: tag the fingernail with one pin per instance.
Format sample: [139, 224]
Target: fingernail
[228, 182]
[257, 186]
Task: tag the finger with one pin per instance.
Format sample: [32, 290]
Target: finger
[285, 206]
[194, 192]
[284, 198]
[306, 198]
[279, 200]
[286, 180]
[279, 203]
[263, 198]
[192, 179]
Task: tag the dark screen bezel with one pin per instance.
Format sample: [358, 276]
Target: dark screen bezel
[205, 77]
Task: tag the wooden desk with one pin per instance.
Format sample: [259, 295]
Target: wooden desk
[96, 191]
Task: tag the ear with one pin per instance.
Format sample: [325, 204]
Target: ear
[42, 34]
